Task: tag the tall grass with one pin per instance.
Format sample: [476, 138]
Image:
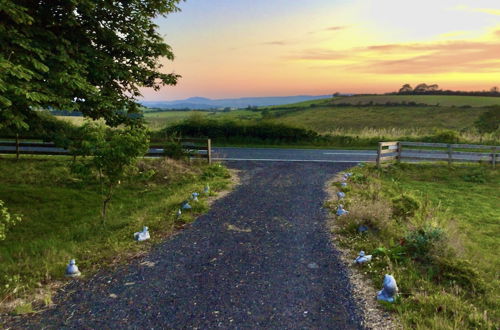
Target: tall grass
[435, 229]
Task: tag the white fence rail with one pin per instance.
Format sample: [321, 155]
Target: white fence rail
[399, 151]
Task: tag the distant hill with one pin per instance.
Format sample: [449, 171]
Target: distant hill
[202, 103]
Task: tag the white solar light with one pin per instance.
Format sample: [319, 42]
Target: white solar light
[72, 269]
[362, 258]
[341, 211]
[389, 290]
[142, 235]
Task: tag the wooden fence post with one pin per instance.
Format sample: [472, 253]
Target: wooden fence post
[379, 154]
[494, 157]
[399, 151]
[17, 146]
[450, 154]
[209, 151]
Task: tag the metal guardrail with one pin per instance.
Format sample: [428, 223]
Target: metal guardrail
[388, 151]
[197, 148]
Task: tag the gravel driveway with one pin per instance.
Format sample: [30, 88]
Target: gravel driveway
[261, 258]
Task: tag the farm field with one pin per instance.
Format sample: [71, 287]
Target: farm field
[159, 120]
[61, 216]
[442, 100]
[328, 119]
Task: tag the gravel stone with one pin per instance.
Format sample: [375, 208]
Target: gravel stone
[235, 267]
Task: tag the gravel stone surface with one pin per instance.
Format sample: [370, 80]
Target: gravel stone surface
[261, 258]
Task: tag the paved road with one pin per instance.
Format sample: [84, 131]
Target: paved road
[310, 155]
[260, 259]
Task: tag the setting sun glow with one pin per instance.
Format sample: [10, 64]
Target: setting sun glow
[227, 48]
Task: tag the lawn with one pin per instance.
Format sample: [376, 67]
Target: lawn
[61, 216]
[436, 229]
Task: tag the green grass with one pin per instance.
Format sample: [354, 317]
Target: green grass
[159, 120]
[61, 218]
[325, 120]
[454, 282]
[442, 100]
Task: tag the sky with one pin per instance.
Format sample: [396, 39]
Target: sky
[250, 48]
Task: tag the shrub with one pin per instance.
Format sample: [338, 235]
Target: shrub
[233, 130]
[405, 206]
[420, 242]
[214, 171]
[446, 136]
[7, 220]
[174, 150]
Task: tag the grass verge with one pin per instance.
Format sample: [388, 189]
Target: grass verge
[61, 218]
[435, 229]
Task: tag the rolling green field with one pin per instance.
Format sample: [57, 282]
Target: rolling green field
[365, 124]
[159, 120]
[442, 100]
[61, 216]
[328, 119]
[435, 228]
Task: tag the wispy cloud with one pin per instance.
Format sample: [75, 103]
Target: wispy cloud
[336, 28]
[414, 58]
[276, 43]
[490, 11]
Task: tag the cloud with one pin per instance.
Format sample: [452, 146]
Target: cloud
[490, 11]
[414, 58]
[275, 43]
[335, 28]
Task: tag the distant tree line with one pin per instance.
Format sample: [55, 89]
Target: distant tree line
[424, 89]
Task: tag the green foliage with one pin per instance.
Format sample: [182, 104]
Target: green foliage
[444, 256]
[60, 214]
[462, 273]
[475, 176]
[173, 149]
[445, 136]
[214, 171]
[113, 154]
[7, 221]
[405, 206]
[87, 55]
[489, 121]
[420, 242]
[197, 126]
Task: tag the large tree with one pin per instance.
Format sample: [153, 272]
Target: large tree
[85, 55]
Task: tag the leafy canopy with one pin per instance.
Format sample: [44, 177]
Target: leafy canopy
[86, 55]
[113, 154]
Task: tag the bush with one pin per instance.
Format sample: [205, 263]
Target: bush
[420, 242]
[174, 150]
[215, 171]
[6, 220]
[232, 130]
[405, 206]
[446, 136]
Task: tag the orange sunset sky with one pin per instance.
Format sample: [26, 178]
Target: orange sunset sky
[242, 48]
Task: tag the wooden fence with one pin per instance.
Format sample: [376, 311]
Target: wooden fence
[197, 148]
[400, 151]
